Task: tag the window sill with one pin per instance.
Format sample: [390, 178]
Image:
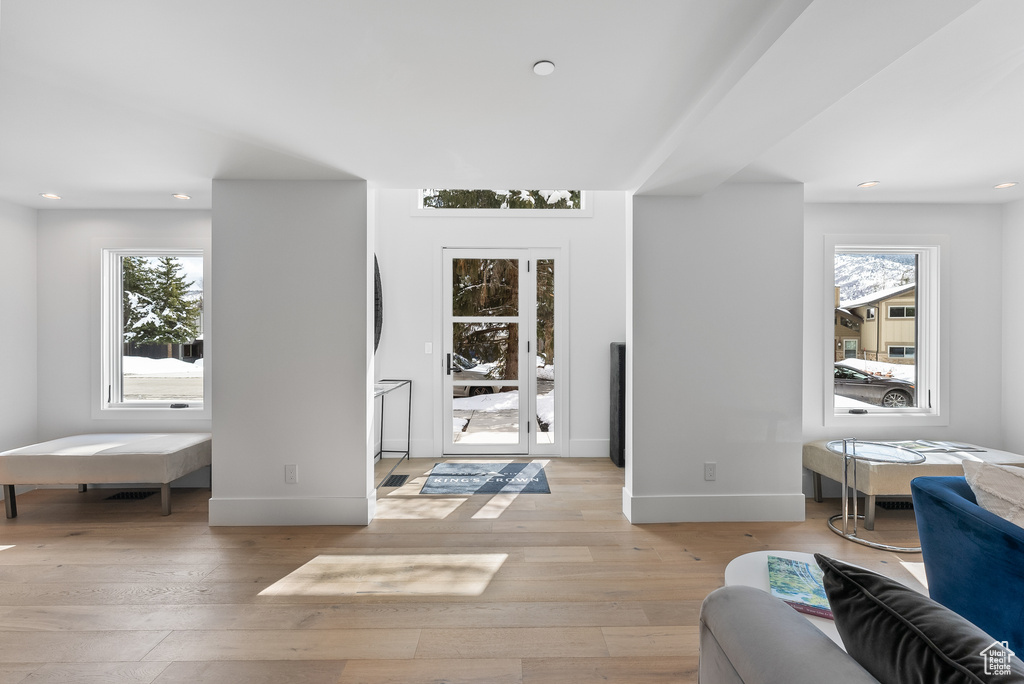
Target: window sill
[138, 412]
[884, 419]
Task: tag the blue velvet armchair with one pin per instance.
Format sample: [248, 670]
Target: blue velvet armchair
[973, 558]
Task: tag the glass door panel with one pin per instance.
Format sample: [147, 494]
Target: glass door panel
[485, 287]
[489, 350]
[545, 352]
[485, 352]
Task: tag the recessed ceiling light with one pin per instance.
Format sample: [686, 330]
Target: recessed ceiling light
[181, 196]
[49, 195]
[1002, 186]
[544, 68]
[868, 184]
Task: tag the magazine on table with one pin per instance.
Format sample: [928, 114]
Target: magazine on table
[799, 584]
[925, 446]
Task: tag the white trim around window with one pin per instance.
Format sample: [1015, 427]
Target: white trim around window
[932, 308]
[109, 353]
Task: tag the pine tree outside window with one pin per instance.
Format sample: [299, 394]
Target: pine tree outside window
[543, 201]
[153, 346]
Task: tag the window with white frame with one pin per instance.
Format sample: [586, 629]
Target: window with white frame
[902, 311]
[900, 352]
[899, 356]
[153, 338]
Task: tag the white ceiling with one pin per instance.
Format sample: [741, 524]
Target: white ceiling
[120, 103]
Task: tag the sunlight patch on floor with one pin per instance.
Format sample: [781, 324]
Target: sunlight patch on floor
[496, 506]
[917, 570]
[416, 508]
[444, 574]
[4, 548]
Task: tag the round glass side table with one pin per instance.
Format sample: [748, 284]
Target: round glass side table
[854, 450]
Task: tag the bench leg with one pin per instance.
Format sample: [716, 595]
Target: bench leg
[816, 481]
[10, 503]
[165, 498]
[83, 488]
[869, 511]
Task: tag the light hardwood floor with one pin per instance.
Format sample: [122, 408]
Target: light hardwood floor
[535, 588]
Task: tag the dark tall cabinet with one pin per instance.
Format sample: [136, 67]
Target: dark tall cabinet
[617, 427]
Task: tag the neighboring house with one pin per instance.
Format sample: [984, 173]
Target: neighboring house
[847, 332]
[878, 327]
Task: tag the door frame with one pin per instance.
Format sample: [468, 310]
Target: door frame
[546, 249]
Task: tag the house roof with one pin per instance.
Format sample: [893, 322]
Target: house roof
[878, 296]
[119, 103]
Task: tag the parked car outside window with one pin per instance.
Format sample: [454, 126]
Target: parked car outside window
[873, 389]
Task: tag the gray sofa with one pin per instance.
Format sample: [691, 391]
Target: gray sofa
[749, 637]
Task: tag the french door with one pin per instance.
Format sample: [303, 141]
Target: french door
[499, 371]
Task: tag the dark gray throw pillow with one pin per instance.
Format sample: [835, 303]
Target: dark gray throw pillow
[903, 637]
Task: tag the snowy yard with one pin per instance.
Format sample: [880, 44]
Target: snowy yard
[503, 401]
[140, 366]
[161, 379]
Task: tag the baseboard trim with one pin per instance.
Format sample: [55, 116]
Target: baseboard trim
[280, 512]
[715, 508]
[418, 447]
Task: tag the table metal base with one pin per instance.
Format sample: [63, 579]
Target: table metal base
[852, 536]
[850, 456]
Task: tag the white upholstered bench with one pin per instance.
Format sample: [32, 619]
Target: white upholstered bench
[151, 458]
[893, 479]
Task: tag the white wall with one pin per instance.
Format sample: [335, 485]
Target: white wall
[408, 249]
[18, 425]
[976, 312]
[69, 247]
[292, 327]
[716, 360]
[1013, 327]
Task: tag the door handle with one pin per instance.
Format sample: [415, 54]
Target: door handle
[449, 364]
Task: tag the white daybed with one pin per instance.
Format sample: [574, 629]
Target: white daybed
[151, 458]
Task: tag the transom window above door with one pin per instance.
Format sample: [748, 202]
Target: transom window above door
[501, 199]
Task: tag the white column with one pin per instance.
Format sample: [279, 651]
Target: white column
[291, 346]
[716, 356]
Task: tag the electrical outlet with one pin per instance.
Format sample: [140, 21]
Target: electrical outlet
[291, 474]
[709, 471]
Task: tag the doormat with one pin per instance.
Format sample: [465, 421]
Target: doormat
[133, 496]
[486, 478]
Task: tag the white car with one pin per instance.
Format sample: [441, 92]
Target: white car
[464, 369]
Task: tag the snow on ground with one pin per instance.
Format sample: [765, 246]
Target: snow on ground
[161, 368]
[545, 372]
[898, 370]
[459, 424]
[847, 402]
[546, 407]
[503, 401]
[506, 401]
